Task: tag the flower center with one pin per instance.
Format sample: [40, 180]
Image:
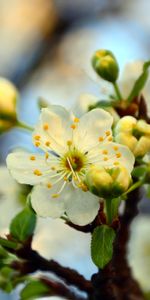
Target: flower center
[74, 161]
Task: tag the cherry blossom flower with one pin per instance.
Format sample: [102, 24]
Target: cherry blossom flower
[70, 146]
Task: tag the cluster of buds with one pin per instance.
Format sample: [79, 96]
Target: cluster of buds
[135, 134]
[8, 100]
[108, 182]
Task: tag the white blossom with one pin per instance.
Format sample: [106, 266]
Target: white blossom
[70, 145]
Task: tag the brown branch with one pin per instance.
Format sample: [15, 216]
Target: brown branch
[115, 281]
[59, 289]
[32, 262]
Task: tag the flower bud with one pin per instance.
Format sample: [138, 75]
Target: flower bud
[108, 183]
[105, 65]
[8, 99]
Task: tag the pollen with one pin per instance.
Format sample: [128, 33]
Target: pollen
[100, 139]
[32, 157]
[45, 126]
[47, 143]
[84, 188]
[108, 133]
[65, 178]
[105, 158]
[76, 120]
[73, 126]
[49, 185]
[55, 195]
[37, 144]
[37, 172]
[69, 143]
[105, 152]
[116, 148]
[116, 163]
[110, 139]
[37, 137]
[118, 155]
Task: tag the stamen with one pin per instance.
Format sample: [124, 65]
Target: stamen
[47, 143]
[37, 172]
[32, 157]
[105, 152]
[116, 163]
[110, 139]
[49, 185]
[73, 126]
[55, 195]
[116, 148]
[45, 126]
[108, 133]
[118, 155]
[46, 155]
[101, 139]
[105, 158]
[37, 137]
[53, 168]
[76, 120]
[69, 143]
[37, 144]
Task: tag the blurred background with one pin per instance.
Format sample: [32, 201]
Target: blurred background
[45, 50]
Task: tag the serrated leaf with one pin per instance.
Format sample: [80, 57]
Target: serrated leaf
[102, 245]
[23, 225]
[140, 82]
[34, 290]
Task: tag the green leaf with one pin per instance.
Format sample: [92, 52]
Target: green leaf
[100, 104]
[139, 83]
[23, 225]
[102, 245]
[139, 171]
[33, 290]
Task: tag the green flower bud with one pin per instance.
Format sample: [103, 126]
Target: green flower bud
[105, 65]
[108, 183]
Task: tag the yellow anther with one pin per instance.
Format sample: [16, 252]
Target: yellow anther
[53, 168]
[110, 139]
[37, 137]
[47, 143]
[105, 158]
[49, 185]
[37, 172]
[55, 195]
[69, 143]
[76, 120]
[84, 188]
[118, 155]
[37, 144]
[108, 133]
[116, 148]
[116, 163]
[45, 126]
[105, 152]
[46, 155]
[100, 139]
[73, 126]
[65, 178]
[32, 157]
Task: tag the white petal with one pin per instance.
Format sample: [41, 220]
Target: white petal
[43, 203]
[22, 167]
[58, 121]
[83, 103]
[92, 125]
[81, 207]
[114, 153]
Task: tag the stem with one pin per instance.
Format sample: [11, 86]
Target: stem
[24, 126]
[117, 91]
[108, 210]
